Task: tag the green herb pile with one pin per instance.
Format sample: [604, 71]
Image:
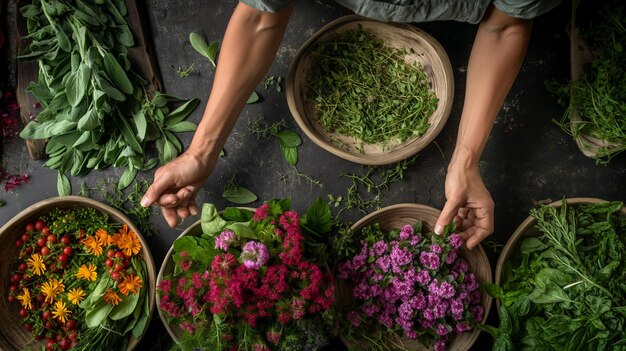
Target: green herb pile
[599, 96]
[363, 89]
[96, 112]
[566, 288]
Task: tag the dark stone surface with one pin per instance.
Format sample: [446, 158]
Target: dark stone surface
[528, 157]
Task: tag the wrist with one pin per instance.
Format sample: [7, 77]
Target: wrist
[464, 159]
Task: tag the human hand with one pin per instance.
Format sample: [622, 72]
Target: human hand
[468, 204]
[175, 186]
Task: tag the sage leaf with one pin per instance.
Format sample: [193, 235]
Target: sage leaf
[212, 52]
[127, 177]
[117, 74]
[64, 187]
[201, 46]
[239, 195]
[182, 127]
[181, 112]
[254, 97]
[139, 119]
[89, 121]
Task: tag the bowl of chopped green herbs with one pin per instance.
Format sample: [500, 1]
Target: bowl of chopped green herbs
[370, 92]
[560, 279]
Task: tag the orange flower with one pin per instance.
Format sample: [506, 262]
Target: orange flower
[104, 239]
[127, 241]
[87, 272]
[36, 265]
[93, 246]
[111, 298]
[51, 289]
[25, 299]
[131, 284]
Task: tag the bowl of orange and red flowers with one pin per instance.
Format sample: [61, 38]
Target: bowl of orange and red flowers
[246, 279]
[77, 275]
[402, 287]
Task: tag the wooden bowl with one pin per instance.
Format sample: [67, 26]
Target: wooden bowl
[399, 215]
[12, 335]
[167, 268]
[426, 50]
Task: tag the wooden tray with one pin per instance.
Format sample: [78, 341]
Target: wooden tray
[141, 56]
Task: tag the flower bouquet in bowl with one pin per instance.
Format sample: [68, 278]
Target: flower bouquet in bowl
[402, 287]
[250, 281]
[81, 281]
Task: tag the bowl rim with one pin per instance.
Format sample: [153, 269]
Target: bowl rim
[386, 157]
[102, 207]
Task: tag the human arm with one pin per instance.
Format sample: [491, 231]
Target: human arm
[496, 58]
[249, 46]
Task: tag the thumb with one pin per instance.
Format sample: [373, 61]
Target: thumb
[450, 210]
[155, 190]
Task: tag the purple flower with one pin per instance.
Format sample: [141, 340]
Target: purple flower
[400, 258]
[390, 293]
[415, 239]
[344, 270]
[406, 232]
[224, 240]
[478, 312]
[386, 320]
[403, 287]
[429, 260]
[463, 267]
[361, 291]
[418, 302]
[446, 290]
[455, 241]
[380, 247]
[472, 283]
[410, 334]
[451, 257]
[456, 307]
[370, 310]
[423, 277]
[440, 345]
[405, 311]
[383, 263]
[429, 314]
[462, 327]
[406, 324]
[425, 323]
[254, 254]
[358, 261]
[433, 287]
[434, 299]
[475, 297]
[436, 248]
[441, 309]
[375, 290]
[354, 318]
[442, 330]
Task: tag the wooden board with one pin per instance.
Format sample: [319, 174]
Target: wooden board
[141, 57]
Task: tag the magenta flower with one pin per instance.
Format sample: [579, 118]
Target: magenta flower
[254, 254]
[456, 241]
[380, 247]
[406, 232]
[429, 260]
[400, 258]
[446, 290]
[224, 240]
[423, 277]
[436, 248]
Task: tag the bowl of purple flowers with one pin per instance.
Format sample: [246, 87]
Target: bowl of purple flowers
[401, 287]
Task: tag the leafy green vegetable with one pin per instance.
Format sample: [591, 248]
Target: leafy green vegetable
[64, 187]
[207, 50]
[254, 98]
[239, 195]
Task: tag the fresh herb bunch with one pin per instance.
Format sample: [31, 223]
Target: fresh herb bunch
[96, 112]
[565, 289]
[80, 281]
[599, 96]
[267, 284]
[363, 89]
[406, 283]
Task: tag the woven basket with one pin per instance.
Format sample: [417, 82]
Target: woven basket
[426, 51]
[399, 215]
[12, 335]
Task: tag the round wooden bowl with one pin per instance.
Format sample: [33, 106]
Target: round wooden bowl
[399, 215]
[167, 268]
[426, 51]
[12, 335]
[527, 228]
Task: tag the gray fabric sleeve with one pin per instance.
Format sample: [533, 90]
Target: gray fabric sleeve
[272, 6]
[526, 9]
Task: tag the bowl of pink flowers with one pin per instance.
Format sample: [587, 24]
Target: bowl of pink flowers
[244, 279]
[402, 287]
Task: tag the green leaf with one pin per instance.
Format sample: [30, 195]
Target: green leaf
[211, 221]
[290, 154]
[76, 85]
[127, 177]
[212, 52]
[199, 44]
[239, 195]
[180, 113]
[97, 315]
[96, 295]
[234, 214]
[243, 231]
[89, 121]
[117, 74]
[110, 90]
[182, 127]
[64, 187]
[129, 134]
[125, 308]
[140, 123]
[318, 217]
[169, 152]
[253, 98]
[531, 244]
[288, 138]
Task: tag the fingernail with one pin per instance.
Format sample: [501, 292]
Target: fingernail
[193, 211]
[144, 202]
[438, 229]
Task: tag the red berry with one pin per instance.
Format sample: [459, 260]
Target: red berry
[67, 251]
[30, 227]
[111, 253]
[41, 298]
[72, 335]
[22, 267]
[52, 238]
[13, 288]
[116, 275]
[23, 313]
[41, 242]
[109, 262]
[125, 263]
[28, 327]
[71, 324]
[40, 224]
[119, 267]
[15, 278]
[11, 298]
[28, 250]
[51, 345]
[45, 315]
[63, 258]
[66, 240]
[46, 231]
[18, 243]
[45, 251]
[64, 344]
[119, 254]
[58, 337]
[25, 237]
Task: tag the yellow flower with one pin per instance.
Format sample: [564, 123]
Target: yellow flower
[103, 238]
[87, 272]
[36, 265]
[76, 295]
[111, 298]
[24, 298]
[93, 246]
[60, 312]
[131, 284]
[51, 289]
[127, 241]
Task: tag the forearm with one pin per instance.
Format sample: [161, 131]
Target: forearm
[248, 49]
[497, 55]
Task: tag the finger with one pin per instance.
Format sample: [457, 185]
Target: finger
[160, 184]
[479, 235]
[464, 212]
[450, 210]
[183, 212]
[169, 200]
[193, 208]
[170, 216]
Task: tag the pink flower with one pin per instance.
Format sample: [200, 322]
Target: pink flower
[429, 260]
[442, 330]
[165, 286]
[446, 290]
[436, 248]
[423, 277]
[224, 240]
[380, 248]
[406, 232]
[478, 312]
[440, 345]
[261, 213]
[455, 241]
[353, 318]
[400, 258]
[188, 326]
[462, 327]
[254, 254]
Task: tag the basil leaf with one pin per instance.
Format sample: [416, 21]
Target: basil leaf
[318, 217]
[239, 195]
[288, 138]
[64, 187]
[290, 154]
